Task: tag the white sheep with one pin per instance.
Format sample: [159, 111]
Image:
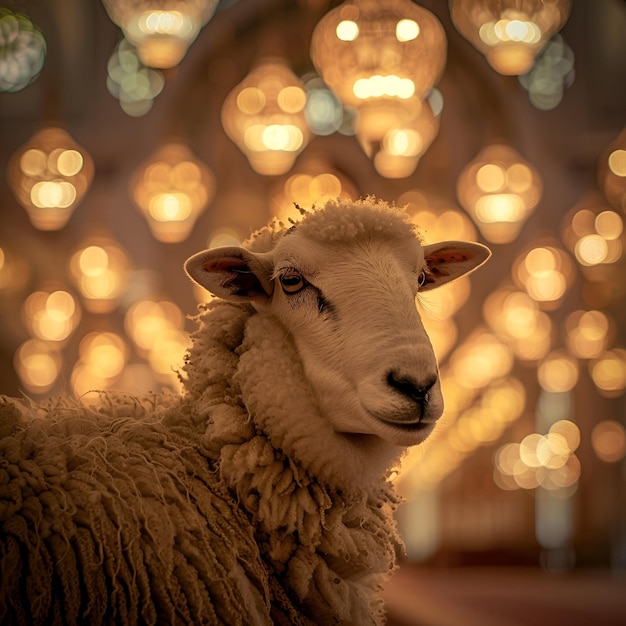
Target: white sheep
[262, 495]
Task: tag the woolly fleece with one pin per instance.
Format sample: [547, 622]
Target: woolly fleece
[235, 504]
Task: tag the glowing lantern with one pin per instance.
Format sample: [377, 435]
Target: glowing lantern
[264, 116]
[172, 188]
[22, 51]
[612, 173]
[49, 176]
[509, 33]
[100, 271]
[382, 58]
[162, 30]
[499, 190]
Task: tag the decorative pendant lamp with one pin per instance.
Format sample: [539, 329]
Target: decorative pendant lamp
[499, 190]
[510, 33]
[264, 116]
[161, 30]
[172, 188]
[381, 58]
[49, 176]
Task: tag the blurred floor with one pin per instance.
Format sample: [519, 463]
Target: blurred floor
[505, 597]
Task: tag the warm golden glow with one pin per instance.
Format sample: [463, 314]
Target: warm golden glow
[264, 116]
[558, 372]
[396, 143]
[608, 372]
[383, 59]
[546, 461]
[102, 358]
[172, 188]
[508, 33]
[515, 317]
[367, 49]
[100, 270]
[480, 360]
[156, 329]
[49, 176]
[587, 333]
[51, 315]
[499, 190]
[546, 273]
[161, 35]
[313, 185]
[38, 365]
[436, 219]
[608, 439]
[594, 232]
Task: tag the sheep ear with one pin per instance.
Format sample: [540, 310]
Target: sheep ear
[232, 273]
[449, 260]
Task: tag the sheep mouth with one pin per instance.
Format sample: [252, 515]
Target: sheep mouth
[416, 425]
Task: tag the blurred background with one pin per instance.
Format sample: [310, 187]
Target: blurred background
[136, 133]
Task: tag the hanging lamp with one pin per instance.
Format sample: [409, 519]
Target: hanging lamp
[161, 30]
[510, 33]
[49, 175]
[264, 116]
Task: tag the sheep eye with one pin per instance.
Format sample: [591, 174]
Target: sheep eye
[292, 282]
[421, 279]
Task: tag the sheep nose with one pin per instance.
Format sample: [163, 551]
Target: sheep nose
[409, 387]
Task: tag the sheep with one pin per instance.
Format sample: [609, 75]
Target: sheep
[261, 495]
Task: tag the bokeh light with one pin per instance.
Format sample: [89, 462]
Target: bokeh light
[612, 173]
[51, 315]
[546, 273]
[508, 33]
[515, 318]
[161, 34]
[38, 364]
[100, 270]
[171, 189]
[499, 190]
[546, 461]
[49, 176]
[552, 72]
[587, 333]
[131, 82]
[22, 51]
[608, 439]
[264, 115]
[608, 372]
[102, 357]
[558, 372]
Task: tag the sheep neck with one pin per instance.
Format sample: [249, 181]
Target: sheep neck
[325, 532]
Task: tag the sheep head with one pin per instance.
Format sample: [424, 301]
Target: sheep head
[343, 283]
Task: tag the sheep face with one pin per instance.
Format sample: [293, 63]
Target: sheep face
[349, 306]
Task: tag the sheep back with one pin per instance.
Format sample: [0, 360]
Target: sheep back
[109, 515]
